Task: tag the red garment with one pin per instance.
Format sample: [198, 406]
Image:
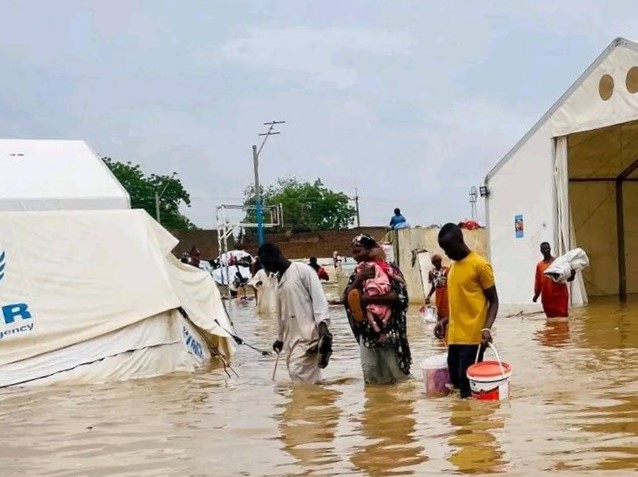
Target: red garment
[439, 279]
[385, 266]
[554, 296]
[469, 225]
[323, 275]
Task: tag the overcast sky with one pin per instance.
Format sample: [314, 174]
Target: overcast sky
[411, 102]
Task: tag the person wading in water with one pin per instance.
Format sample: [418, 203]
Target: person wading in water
[473, 307]
[303, 318]
[554, 296]
[385, 355]
[438, 279]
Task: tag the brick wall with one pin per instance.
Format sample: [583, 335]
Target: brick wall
[293, 245]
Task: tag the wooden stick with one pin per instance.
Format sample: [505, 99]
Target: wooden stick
[274, 371]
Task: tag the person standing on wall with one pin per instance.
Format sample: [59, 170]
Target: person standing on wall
[302, 312]
[554, 296]
[473, 305]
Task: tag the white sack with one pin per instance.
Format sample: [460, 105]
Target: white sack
[561, 269]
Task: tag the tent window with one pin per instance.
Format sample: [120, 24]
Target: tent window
[632, 80]
[606, 87]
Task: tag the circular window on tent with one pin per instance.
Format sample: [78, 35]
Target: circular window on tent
[632, 80]
[606, 87]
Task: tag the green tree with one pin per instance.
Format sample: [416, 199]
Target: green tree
[141, 189]
[306, 206]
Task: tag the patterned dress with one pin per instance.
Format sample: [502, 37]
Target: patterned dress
[439, 279]
[396, 332]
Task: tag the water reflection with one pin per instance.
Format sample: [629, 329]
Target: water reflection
[475, 448]
[554, 334]
[308, 426]
[388, 424]
[574, 407]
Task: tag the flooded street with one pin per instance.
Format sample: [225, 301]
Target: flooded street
[573, 407]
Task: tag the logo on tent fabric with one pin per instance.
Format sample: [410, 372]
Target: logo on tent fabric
[17, 316]
[3, 263]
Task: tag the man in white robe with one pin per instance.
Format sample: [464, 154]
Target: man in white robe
[265, 285]
[302, 313]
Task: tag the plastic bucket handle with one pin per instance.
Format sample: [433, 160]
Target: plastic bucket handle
[500, 364]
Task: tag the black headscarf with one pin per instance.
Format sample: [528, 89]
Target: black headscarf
[365, 241]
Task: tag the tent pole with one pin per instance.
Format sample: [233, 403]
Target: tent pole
[620, 227]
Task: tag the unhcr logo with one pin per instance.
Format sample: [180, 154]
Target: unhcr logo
[13, 315]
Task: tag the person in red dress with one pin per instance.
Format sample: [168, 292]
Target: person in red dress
[438, 279]
[554, 296]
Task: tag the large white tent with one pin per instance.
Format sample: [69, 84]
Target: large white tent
[572, 180]
[56, 175]
[89, 289]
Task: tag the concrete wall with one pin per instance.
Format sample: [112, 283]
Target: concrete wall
[409, 240]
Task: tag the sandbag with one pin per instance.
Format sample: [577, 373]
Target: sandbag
[561, 268]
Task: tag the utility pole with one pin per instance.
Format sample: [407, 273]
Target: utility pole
[473, 199]
[356, 203]
[158, 196]
[256, 152]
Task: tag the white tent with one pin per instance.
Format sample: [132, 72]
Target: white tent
[572, 180]
[56, 175]
[90, 296]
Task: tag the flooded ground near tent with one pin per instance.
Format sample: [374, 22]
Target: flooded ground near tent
[574, 407]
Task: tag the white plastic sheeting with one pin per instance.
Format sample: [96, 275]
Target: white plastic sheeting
[535, 180]
[80, 287]
[56, 175]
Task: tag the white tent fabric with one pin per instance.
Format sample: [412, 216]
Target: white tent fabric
[83, 286]
[56, 175]
[566, 239]
[579, 113]
[552, 162]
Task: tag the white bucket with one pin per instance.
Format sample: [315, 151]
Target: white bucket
[489, 380]
[436, 375]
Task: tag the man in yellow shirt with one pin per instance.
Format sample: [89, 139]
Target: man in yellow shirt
[473, 305]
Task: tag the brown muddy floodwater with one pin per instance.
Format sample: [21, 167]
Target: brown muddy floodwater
[573, 408]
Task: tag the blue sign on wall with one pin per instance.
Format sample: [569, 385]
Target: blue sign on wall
[519, 226]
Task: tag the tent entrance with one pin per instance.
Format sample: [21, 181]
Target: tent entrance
[603, 201]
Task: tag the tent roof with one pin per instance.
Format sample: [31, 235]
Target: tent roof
[56, 175]
[618, 42]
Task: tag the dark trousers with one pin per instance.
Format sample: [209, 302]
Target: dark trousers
[459, 358]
